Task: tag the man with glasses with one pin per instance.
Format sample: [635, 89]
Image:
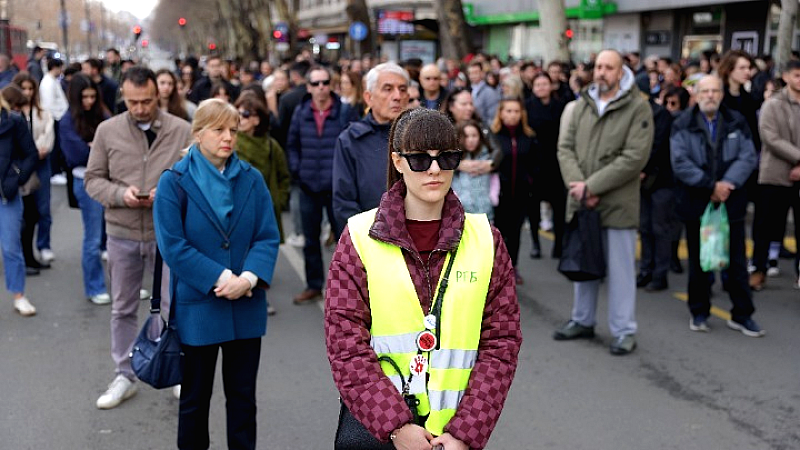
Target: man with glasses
[433, 93]
[360, 161]
[315, 125]
[712, 156]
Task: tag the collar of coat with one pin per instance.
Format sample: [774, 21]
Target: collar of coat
[729, 118]
[390, 220]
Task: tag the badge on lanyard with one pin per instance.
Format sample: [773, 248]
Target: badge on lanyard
[426, 341]
[418, 365]
[430, 322]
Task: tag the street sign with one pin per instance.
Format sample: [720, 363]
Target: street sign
[358, 31]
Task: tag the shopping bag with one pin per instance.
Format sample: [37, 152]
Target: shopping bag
[714, 238]
[582, 257]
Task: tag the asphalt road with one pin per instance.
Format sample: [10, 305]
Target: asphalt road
[678, 390]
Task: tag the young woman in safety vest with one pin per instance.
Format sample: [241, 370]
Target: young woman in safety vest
[419, 287]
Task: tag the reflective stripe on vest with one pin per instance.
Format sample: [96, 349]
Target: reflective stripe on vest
[397, 316]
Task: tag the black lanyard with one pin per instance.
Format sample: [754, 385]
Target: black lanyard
[437, 306]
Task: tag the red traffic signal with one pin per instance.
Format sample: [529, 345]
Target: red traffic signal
[182, 22]
[569, 33]
[137, 30]
[277, 34]
[212, 46]
[145, 43]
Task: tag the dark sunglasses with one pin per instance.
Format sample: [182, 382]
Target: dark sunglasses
[245, 114]
[320, 83]
[421, 161]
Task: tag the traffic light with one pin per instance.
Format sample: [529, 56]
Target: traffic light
[277, 35]
[569, 34]
[212, 46]
[145, 43]
[137, 32]
[182, 22]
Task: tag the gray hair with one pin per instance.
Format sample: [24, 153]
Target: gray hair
[389, 67]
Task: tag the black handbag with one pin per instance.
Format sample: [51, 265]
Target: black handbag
[352, 435]
[156, 357]
[582, 258]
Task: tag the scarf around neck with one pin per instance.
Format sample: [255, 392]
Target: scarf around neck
[216, 186]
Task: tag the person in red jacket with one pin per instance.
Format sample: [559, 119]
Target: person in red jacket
[422, 217]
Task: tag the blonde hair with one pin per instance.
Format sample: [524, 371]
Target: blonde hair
[213, 113]
[497, 124]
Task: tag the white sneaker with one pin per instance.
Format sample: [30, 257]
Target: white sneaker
[24, 307]
[100, 299]
[296, 240]
[144, 294]
[58, 179]
[46, 255]
[104, 255]
[773, 272]
[271, 311]
[118, 391]
[176, 391]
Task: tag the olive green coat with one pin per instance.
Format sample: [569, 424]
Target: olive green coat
[266, 155]
[608, 152]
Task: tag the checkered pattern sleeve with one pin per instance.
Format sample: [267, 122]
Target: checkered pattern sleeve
[367, 392]
[494, 369]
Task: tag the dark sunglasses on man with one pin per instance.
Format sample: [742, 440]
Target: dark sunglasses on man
[320, 83]
[421, 161]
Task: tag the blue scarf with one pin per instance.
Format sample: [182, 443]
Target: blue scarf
[216, 187]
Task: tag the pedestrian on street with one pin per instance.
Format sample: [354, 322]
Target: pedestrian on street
[779, 172]
[601, 154]
[18, 158]
[217, 232]
[359, 159]
[382, 303]
[128, 154]
[202, 88]
[315, 127]
[77, 131]
[712, 156]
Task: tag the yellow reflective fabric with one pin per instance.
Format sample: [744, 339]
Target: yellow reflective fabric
[397, 316]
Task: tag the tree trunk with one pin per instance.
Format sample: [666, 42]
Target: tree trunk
[553, 22]
[357, 11]
[262, 13]
[289, 15]
[453, 33]
[785, 33]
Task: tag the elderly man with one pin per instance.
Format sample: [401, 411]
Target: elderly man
[433, 93]
[129, 152]
[712, 156]
[602, 152]
[360, 159]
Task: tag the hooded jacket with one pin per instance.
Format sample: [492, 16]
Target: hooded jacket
[608, 151]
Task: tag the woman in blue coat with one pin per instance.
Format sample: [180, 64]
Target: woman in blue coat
[217, 232]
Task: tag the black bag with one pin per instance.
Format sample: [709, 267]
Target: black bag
[582, 258]
[352, 435]
[156, 357]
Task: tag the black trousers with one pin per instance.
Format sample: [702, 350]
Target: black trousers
[657, 226]
[771, 209]
[240, 359]
[738, 284]
[554, 194]
[30, 217]
[508, 217]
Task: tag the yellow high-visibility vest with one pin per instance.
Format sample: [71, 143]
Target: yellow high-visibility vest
[397, 317]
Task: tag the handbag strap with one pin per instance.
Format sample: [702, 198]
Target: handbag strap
[155, 297]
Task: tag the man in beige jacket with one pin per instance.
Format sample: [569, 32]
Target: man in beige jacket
[779, 170]
[128, 154]
[601, 152]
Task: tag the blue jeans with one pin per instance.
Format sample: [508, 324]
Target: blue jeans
[11, 243]
[94, 281]
[42, 196]
[311, 206]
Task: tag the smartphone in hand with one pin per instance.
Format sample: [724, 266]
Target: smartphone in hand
[143, 195]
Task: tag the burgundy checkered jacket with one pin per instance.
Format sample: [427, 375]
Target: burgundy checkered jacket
[367, 392]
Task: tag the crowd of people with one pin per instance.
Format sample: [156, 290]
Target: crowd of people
[648, 143]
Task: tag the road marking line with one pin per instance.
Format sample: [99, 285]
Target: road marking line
[296, 261]
[724, 315]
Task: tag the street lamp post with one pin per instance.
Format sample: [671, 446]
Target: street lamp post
[88, 28]
[64, 30]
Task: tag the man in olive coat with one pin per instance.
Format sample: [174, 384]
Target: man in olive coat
[602, 152]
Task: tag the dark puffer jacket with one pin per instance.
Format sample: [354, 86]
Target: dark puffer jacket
[18, 155]
[311, 153]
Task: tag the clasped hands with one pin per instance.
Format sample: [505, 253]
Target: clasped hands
[234, 288]
[414, 437]
[577, 189]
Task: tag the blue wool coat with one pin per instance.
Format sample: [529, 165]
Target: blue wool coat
[198, 249]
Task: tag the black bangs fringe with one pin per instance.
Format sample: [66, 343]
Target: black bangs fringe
[424, 129]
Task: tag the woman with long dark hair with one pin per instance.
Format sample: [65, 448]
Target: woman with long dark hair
[458, 106]
[76, 133]
[518, 144]
[544, 115]
[169, 99]
[42, 126]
